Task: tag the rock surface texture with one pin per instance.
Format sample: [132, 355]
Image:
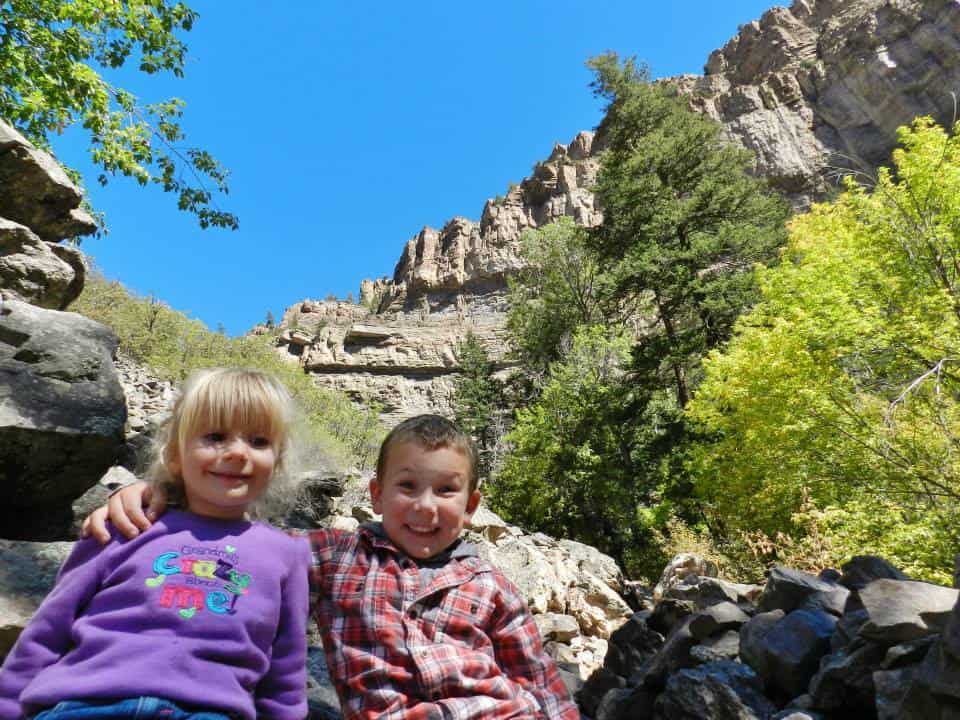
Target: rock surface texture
[39, 206]
[62, 414]
[814, 90]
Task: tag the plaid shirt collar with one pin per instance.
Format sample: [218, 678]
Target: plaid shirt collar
[373, 534]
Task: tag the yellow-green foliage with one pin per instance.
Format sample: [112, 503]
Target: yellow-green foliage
[834, 412]
[173, 345]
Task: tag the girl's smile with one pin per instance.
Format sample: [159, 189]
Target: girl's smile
[224, 471]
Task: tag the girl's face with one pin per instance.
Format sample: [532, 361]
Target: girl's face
[223, 471]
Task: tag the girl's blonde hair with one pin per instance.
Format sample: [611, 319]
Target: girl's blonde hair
[222, 399]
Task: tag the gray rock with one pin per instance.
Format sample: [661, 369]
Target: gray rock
[891, 688]
[752, 635]
[845, 680]
[725, 646]
[793, 714]
[706, 591]
[73, 257]
[832, 601]
[36, 192]
[669, 612]
[864, 569]
[715, 691]
[557, 627]
[848, 628]
[62, 414]
[717, 618]
[27, 572]
[792, 650]
[593, 692]
[787, 589]
[631, 645]
[902, 610]
[32, 271]
[908, 653]
[614, 704]
[673, 656]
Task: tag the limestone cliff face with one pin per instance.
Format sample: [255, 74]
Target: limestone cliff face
[821, 87]
[814, 90]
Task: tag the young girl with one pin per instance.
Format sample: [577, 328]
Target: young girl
[203, 616]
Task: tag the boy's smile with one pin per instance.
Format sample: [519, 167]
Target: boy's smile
[424, 498]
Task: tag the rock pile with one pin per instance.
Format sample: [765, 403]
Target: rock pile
[864, 643]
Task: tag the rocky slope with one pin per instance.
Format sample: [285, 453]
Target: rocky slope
[814, 90]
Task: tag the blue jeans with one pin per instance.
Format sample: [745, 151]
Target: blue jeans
[142, 708]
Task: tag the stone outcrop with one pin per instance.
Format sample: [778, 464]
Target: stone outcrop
[814, 90]
[398, 346]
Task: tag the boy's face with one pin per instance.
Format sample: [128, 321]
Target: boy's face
[424, 497]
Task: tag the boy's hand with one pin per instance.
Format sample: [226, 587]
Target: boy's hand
[125, 510]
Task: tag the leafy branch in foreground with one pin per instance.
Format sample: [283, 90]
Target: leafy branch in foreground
[51, 55]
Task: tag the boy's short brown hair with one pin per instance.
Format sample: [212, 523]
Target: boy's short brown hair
[431, 432]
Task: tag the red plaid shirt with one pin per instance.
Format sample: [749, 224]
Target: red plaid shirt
[464, 646]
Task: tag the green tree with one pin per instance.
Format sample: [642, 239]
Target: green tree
[835, 409]
[684, 221]
[52, 53]
[572, 469]
[559, 288]
[477, 399]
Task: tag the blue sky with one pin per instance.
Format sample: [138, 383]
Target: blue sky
[348, 126]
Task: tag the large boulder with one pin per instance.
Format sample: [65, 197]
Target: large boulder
[62, 416]
[902, 610]
[792, 650]
[36, 192]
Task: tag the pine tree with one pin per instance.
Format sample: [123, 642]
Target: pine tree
[684, 221]
[476, 398]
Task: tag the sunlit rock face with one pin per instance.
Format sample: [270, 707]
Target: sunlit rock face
[820, 88]
[814, 90]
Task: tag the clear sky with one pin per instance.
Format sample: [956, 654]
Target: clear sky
[348, 126]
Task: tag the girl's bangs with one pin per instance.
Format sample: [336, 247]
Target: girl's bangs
[238, 402]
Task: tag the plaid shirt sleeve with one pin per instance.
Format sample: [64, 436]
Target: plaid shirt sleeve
[519, 653]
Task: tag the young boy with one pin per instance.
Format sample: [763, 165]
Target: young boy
[414, 623]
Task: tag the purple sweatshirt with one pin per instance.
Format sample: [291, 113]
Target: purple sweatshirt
[209, 613]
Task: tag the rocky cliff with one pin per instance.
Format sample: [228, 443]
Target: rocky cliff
[815, 90]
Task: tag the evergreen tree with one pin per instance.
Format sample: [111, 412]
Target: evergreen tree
[477, 396]
[684, 222]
